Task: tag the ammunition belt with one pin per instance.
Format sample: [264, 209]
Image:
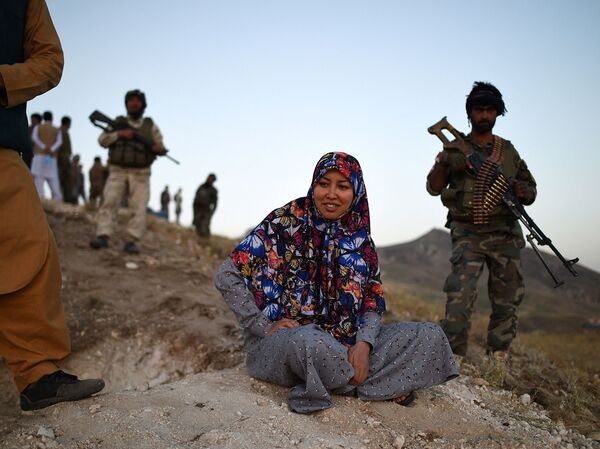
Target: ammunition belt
[490, 185]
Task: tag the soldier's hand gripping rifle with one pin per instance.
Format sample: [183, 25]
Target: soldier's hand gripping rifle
[109, 125]
[502, 187]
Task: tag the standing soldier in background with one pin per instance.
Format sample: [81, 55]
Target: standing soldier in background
[63, 160]
[205, 204]
[178, 198]
[496, 242]
[129, 162]
[96, 178]
[165, 199]
[34, 339]
[77, 181]
[36, 119]
[47, 140]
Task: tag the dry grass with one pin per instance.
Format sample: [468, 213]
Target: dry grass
[566, 350]
[561, 371]
[403, 305]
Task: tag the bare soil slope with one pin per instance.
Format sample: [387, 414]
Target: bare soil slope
[156, 330]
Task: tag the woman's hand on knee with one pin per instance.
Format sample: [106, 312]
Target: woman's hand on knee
[358, 356]
[282, 324]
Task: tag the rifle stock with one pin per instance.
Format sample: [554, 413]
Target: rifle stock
[511, 201]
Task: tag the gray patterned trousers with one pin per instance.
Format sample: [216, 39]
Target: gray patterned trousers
[406, 357]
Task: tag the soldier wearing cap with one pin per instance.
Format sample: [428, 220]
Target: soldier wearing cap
[129, 161]
[495, 240]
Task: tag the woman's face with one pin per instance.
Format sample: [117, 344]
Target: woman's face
[333, 195]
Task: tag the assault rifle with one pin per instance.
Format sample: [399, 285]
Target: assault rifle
[107, 124]
[474, 163]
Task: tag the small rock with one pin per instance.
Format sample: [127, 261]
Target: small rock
[372, 422]
[238, 413]
[481, 382]
[594, 436]
[94, 408]
[399, 442]
[525, 399]
[131, 266]
[46, 432]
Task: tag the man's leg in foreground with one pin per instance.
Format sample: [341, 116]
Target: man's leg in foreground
[34, 338]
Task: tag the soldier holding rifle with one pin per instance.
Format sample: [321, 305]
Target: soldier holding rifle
[483, 228]
[132, 148]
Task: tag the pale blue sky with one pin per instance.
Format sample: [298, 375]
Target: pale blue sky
[257, 91]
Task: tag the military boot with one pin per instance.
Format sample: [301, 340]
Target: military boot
[131, 248]
[101, 241]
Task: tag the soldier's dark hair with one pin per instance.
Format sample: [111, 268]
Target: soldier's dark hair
[37, 116]
[136, 93]
[48, 116]
[97, 159]
[484, 94]
[66, 120]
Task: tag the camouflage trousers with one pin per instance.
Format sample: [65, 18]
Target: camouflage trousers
[202, 219]
[121, 180]
[500, 251]
[64, 176]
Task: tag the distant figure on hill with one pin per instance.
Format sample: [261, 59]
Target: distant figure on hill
[36, 119]
[205, 204]
[129, 159]
[165, 199]
[305, 286]
[34, 337]
[495, 240]
[77, 181]
[97, 177]
[178, 198]
[47, 140]
[63, 160]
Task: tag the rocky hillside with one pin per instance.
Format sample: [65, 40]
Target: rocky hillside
[155, 329]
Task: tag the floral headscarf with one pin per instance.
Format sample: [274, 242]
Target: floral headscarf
[304, 267]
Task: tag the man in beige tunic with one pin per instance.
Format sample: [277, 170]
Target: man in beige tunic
[132, 148]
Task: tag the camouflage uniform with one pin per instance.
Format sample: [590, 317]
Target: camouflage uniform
[129, 166]
[205, 204]
[496, 243]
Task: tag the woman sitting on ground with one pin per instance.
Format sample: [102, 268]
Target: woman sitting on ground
[305, 286]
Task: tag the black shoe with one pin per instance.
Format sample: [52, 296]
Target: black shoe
[58, 387]
[99, 242]
[131, 248]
